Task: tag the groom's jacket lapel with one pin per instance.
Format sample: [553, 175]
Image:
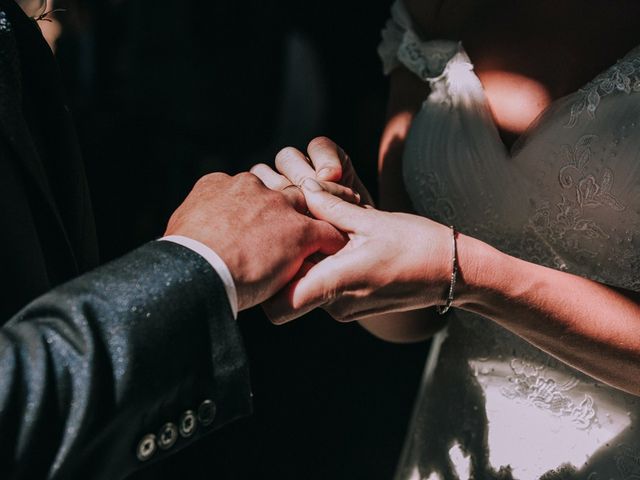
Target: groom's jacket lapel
[36, 125]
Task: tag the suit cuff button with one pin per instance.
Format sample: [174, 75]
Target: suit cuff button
[167, 436]
[188, 424]
[146, 447]
[207, 412]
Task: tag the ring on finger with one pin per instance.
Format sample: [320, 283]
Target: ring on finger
[292, 186]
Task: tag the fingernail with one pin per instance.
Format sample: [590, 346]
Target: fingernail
[357, 195]
[325, 173]
[311, 185]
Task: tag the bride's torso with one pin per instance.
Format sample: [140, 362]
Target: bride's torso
[567, 196]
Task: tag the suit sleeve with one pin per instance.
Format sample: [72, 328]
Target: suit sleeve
[119, 368]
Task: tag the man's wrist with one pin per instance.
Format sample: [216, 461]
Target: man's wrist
[216, 263]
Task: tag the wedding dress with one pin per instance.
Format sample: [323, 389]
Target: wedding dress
[567, 196]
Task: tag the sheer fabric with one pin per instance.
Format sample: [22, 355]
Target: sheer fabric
[567, 196]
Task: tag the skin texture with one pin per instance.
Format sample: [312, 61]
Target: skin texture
[332, 163]
[256, 231]
[375, 272]
[395, 262]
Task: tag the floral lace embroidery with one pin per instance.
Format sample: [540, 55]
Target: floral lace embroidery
[624, 76]
[437, 193]
[584, 192]
[530, 385]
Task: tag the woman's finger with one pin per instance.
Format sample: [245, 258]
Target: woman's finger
[340, 191]
[324, 206]
[275, 181]
[269, 177]
[332, 164]
[292, 163]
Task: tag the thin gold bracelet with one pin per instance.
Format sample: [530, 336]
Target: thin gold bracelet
[442, 309]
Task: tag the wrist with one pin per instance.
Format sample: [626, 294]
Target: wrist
[436, 264]
[480, 270]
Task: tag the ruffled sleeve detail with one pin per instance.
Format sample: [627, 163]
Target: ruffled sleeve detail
[443, 64]
[401, 45]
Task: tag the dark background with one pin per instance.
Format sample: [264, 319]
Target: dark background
[164, 91]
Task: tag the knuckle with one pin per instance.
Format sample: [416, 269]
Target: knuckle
[248, 178]
[211, 178]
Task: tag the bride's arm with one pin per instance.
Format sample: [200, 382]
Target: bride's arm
[593, 327]
[396, 261]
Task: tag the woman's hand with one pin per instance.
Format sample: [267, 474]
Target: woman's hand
[327, 163]
[334, 172]
[398, 262]
[326, 160]
[393, 262]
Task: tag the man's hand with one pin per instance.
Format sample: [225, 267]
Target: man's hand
[393, 262]
[256, 231]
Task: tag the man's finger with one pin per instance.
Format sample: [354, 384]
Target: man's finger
[324, 206]
[328, 159]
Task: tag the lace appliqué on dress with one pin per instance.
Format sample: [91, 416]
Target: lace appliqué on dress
[584, 192]
[528, 384]
[624, 76]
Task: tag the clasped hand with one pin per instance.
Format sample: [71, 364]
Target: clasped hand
[391, 262]
[308, 236]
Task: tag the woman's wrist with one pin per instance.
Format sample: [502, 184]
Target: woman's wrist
[481, 271]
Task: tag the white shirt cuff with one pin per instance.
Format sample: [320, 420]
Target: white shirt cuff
[215, 261]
